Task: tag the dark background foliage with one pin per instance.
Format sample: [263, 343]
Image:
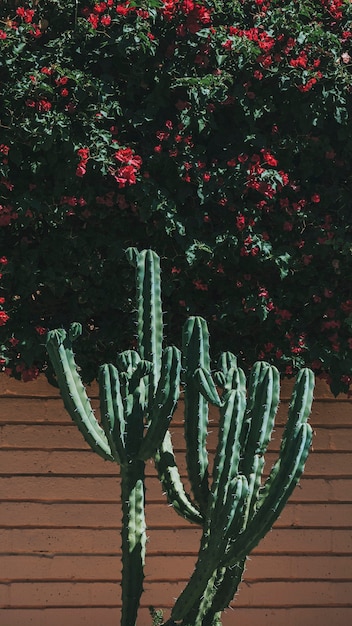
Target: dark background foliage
[217, 133]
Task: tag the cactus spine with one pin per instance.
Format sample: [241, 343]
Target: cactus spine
[138, 397]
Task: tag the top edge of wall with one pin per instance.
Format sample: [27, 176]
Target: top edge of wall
[40, 388]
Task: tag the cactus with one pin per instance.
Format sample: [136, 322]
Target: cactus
[138, 397]
[240, 507]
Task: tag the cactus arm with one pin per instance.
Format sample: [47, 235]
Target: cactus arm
[300, 405]
[164, 403]
[230, 376]
[172, 485]
[278, 489]
[264, 394]
[195, 350]
[149, 311]
[256, 386]
[204, 381]
[235, 379]
[135, 421]
[127, 361]
[228, 451]
[254, 485]
[220, 590]
[133, 539]
[299, 411]
[132, 256]
[112, 411]
[227, 360]
[264, 401]
[74, 395]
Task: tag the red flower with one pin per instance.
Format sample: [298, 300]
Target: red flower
[126, 155]
[81, 169]
[200, 286]
[44, 105]
[269, 158]
[100, 8]
[94, 20]
[300, 61]
[3, 318]
[25, 14]
[315, 198]
[126, 175]
[122, 9]
[240, 222]
[41, 330]
[83, 153]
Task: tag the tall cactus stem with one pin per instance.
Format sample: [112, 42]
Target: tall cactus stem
[195, 350]
[149, 311]
[209, 556]
[133, 539]
[226, 590]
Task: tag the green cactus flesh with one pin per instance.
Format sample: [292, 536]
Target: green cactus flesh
[133, 539]
[76, 401]
[242, 507]
[195, 355]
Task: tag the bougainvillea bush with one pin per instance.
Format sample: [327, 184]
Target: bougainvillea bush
[216, 132]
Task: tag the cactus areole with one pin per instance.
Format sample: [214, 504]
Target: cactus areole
[235, 505]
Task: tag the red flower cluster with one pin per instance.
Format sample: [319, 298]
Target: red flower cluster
[3, 318]
[84, 155]
[130, 164]
[197, 16]
[27, 373]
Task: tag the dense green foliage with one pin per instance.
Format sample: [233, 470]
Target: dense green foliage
[219, 134]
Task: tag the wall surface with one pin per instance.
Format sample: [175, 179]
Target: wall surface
[60, 525]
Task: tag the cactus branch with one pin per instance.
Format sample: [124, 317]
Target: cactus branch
[195, 351]
[76, 401]
[171, 482]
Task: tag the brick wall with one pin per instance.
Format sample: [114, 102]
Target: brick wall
[60, 525]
